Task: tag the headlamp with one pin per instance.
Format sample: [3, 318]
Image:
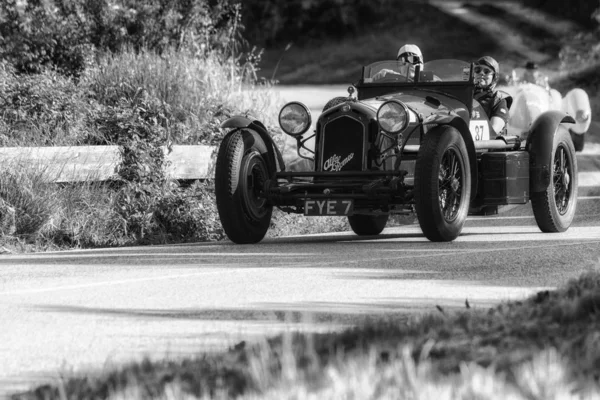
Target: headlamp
[294, 118]
[393, 117]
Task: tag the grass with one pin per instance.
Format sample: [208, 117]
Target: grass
[544, 347]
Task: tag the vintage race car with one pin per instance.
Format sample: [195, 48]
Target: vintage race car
[405, 143]
[533, 95]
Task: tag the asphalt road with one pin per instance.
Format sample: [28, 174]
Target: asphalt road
[77, 311]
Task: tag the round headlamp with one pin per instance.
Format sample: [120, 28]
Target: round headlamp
[294, 119]
[393, 116]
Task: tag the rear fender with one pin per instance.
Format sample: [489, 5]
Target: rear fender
[577, 104]
[463, 128]
[540, 143]
[274, 156]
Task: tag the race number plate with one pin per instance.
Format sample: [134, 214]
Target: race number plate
[328, 207]
[479, 130]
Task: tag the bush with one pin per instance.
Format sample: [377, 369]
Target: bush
[43, 109]
[64, 34]
[189, 214]
[31, 198]
[271, 22]
[36, 34]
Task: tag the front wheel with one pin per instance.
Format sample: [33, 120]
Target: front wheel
[554, 208]
[240, 175]
[442, 184]
[364, 225]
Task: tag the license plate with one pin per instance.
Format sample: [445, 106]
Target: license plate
[328, 207]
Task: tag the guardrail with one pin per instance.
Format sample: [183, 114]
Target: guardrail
[99, 163]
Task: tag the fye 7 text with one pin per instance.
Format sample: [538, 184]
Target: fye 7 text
[328, 207]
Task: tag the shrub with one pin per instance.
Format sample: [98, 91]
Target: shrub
[36, 34]
[189, 214]
[64, 34]
[84, 216]
[43, 109]
[31, 197]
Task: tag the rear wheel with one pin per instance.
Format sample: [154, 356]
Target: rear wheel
[364, 225]
[442, 184]
[554, 208]
[240, 175]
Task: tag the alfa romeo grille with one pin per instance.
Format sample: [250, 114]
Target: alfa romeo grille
[342, 144]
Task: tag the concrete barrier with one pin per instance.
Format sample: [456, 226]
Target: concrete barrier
[99, 163]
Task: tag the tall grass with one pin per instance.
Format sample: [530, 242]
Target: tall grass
[195, 93]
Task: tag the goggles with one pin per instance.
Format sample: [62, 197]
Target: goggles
[482, 70]
[410, 58]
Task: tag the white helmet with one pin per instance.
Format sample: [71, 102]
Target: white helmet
[411, 50]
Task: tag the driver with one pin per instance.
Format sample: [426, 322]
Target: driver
[533, 75]
[487, 73]
[410, 56]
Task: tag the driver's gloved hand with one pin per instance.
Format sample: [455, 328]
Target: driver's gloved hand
[381, 74]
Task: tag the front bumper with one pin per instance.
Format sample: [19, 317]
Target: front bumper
[383, 191]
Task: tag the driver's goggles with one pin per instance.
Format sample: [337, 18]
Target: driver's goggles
[410, 58]
[483, 70]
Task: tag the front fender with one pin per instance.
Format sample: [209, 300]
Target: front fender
[462, 127]
[540, 145]
[240, 122]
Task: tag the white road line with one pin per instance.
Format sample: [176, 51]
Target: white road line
[115, 282]
[146, 255]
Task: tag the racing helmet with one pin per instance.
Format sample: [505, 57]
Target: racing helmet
[410, 53]
[493, 65]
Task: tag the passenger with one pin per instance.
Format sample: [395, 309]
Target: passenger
[487, 73]
[533, 75]
[410, 56]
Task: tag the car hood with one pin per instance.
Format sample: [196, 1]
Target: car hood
[420, 101]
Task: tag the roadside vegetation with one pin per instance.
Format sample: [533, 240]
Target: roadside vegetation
[148, 74]
[544, 347]
[144, 75]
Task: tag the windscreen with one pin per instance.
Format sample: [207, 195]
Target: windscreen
[437, 70]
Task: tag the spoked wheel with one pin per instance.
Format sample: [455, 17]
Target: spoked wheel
[442, 184]
[554, 208]
[240, 176]
[364, 225]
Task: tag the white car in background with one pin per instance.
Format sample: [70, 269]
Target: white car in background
[532, 99]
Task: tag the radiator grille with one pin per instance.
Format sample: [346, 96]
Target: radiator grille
[343, 145]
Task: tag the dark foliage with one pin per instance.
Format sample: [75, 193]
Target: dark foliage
[270, 22]
[63, 34]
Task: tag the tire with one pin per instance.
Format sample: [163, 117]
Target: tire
[442, 197]
[554, 208]
[365, 225]
[240, 174]
[578, 141]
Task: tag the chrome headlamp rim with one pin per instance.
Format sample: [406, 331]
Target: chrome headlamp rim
[306, 116]
[404, 110]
